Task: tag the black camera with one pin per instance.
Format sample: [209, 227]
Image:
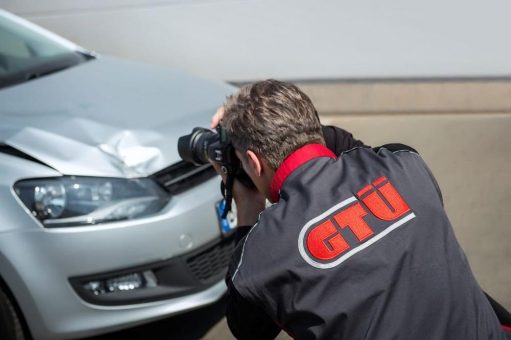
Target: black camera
[202, 145]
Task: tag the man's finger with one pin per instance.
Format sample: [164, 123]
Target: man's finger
[217, 117]
[219, 170]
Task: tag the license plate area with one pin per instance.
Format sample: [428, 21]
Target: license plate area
[228, 224]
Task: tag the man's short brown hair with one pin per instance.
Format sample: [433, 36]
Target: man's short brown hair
[271, 118]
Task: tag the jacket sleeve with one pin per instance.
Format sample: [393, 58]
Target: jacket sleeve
[502, 314]
[339, 140]
[240, 233]
[246, 320]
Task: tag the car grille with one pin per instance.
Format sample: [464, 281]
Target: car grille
[213, 261]
[183, 176]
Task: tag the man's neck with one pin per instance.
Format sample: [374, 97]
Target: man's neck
[293, 162]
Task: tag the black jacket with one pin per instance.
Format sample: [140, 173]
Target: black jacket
[356, 247]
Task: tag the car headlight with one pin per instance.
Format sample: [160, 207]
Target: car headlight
[75, 201]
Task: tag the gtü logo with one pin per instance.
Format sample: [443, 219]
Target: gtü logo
[321, 243]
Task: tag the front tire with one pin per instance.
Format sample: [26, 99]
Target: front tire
[10, 324]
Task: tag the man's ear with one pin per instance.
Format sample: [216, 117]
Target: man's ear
[254, 162]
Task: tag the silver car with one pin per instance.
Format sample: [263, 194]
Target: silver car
[101, 225]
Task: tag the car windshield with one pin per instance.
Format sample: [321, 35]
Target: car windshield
[27, 52]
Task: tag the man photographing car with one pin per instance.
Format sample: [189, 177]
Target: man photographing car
[356, 243]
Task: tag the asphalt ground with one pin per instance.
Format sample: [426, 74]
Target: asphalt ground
[192, 325]
[206, 323]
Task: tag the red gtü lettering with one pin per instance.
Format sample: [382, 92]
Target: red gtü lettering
[324, 240]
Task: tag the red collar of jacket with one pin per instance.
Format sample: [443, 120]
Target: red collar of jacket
[293, 162]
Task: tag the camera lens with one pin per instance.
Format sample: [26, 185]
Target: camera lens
[193, 147]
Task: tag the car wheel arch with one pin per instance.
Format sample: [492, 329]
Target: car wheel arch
[23, 326]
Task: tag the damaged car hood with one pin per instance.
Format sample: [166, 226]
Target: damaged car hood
[107, 117]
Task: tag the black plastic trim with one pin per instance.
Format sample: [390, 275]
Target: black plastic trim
[183, 176]
[175, 279]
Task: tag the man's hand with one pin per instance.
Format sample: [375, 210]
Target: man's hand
[249, 202]
[217, 117]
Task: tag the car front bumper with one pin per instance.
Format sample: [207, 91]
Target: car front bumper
[45, 267]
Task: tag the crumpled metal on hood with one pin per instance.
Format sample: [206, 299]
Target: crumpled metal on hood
[107, 117]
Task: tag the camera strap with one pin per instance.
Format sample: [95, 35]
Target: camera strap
[227, 193]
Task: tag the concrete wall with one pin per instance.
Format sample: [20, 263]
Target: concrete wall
[239, 40]
[462, 130]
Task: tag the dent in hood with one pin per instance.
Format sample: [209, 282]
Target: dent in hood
[107, 117]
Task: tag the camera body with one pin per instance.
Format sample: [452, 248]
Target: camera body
[203, 145]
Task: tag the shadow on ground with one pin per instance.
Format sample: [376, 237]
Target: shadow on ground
[192, 325]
